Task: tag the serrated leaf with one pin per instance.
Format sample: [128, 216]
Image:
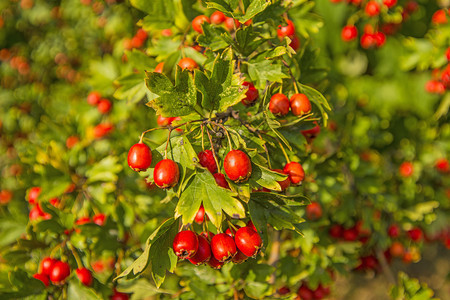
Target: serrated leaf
[266, 70]
[264, 177]
[174, 100]
[255, 7]
[212, 37]
[160, 13]
[216, 200]
[247, 40]
[225, 6]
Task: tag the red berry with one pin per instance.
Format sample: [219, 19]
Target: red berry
[93, 98]
[251, 95]
[159, 67]
[288, 30]
[279, 105]
[415, 234]
[200, 216]
[71, 141]
[397, 249]
[389, 3]
[85, 276]
[394, 231]
[217, 17]
[5, 196]
[372, 8]
[379, 38]
[300, 105]
[349, 33]
[439, 17]
[295, 172]
[54, 201]
[166, 173]
[221, 181]
[248, 241]
[136, 42]
[435, 87]
[119, 296]
[140, 157]
[102, 129]
[206, 159]
[166, 32]
[319, 293]
[203, 253]
[198, 21]
[187, 63]
[34, 214]
[104, 106]
[185, 244]
[445, 78]
[239, 257]
[166, 121]
[47, 265]
[305, 293]
[447, 54]
[83, 220]
[223, 247]
[406, 169]
[214, 263]
[141, 34]
[59, 272]
[314, 211]
[43, 278]
[368, 40]
[99, 219]
[336, 231]
[350, 234]
[284, 290]
[231, 231]
[237, 166]
[312, 133]
[442, 165]
[33, 195]
[251, 225]
[231, 24]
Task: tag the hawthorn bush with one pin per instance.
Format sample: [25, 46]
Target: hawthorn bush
[285, 146]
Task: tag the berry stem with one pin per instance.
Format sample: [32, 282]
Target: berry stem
[284, 151]
[212, 148]
[167, 143]
[226, 132]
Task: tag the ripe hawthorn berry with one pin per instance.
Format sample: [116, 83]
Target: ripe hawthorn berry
[295, 43]
[394, 231]
[166, 121]
[42, 277]
[397, 249]
[47, 264]
[439, 17]
[187, 63]
[159, 67]
[435, 87]
[93, 98]
[221, 181]
[288, 30]
[71, 141]
[415, 234]
[445, 78]
[237, 166]
[136, 42]
[59, 272]
[104, 106]
[447, 54]
[239, 257]
[367, 40]
[279, 105]
[198, 21]
[248, 241]
[223, 247]
[300, 105]
[203, 253]
[99, 219]
[380, 39]
[295, 172]
[166, 173]
[442, 165]
[406, 169]
[214, 263]
[83, 220]
[103, 129]
[217, 17]
[206, 159]
[251, 225]
[350, 234]
[349, 33]
[231, 24]
[139, 157]
[85, 276]
[305, 293]
[166, 32]
[372, 8]
[389, 3]
[119, 296]
[185, 244]
[5, 196]
[251, 95]
[141, 34]
[314, 211]
[231, 231]
[33, 195]
[200, 215]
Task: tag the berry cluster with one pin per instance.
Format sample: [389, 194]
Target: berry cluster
[306, 293]
[104, 106]
[299, 105]
[440, 81]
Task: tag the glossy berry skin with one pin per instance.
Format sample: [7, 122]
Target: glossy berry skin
[389, 3]
[140, 157]
[187, 63]
[313, 211]
[445, 78]
[435, 87]
[248, 241]
[372, 8]
[85, 276]
[251, 225]
[166, 174]
[203, 253]
[237, 166]
[206, 159]
[394, 231]
[279, 105]
[368, 40]
[300, 105]
[285, 183]
[59, 272]
[415, 234]
[349, 33]
[251, 95]
[295, 172]
[380, 39]
[231, 231]
[198, 21]
[221, 181]
[104, 106]
[439, 17]
[99, 219]
[43, 278]
[288, 30]
[442, 165]
[406, 169]
[159, 67]
[33, 195]
[223, 247]
[217, 17]
[214, 263]
[93, 98]
[231, 24]
[47, 265]
[185, 244]
[200, 216]
[166, 121]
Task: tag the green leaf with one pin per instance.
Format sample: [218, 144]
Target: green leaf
[225, 6]
[203, 189]
[266, 70]
[160, 13]
[131, 88]
[264, 177]
[255, 7]
[10, 230]
[247, 40]
[318, 99]
[213, 37]
[158, 254]
[222, 88]
[105, 170]
[174, 100]
[78, 291]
